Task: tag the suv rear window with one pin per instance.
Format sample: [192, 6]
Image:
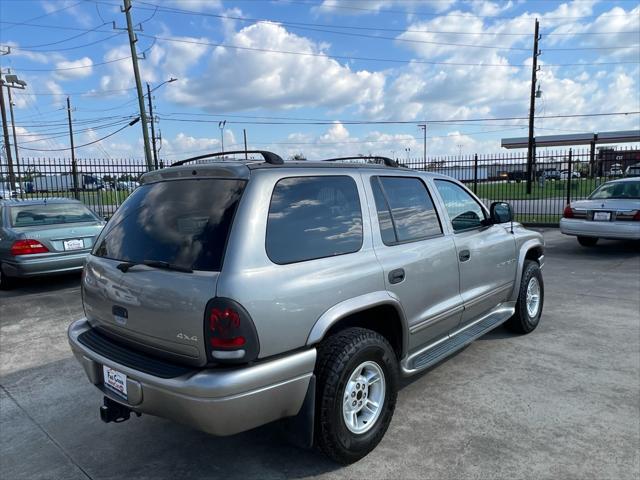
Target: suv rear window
[313, 217]
[181, 222]
[50, 214]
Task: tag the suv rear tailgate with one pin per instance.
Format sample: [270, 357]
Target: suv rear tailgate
[180, 226]
[149, 308]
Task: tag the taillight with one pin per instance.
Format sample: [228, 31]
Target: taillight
[636, 217]
[27, 247]
[229, 332]
[568, 212]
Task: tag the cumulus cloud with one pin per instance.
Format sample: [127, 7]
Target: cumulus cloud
[74, 69]
[239, 79]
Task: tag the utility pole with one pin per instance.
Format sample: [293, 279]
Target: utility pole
[15, 137]
[5, 132]
[136, 73]
[221, 126]
[244, 133]
[532, 106]
[153, 128]
[74, 165]
[423, 127]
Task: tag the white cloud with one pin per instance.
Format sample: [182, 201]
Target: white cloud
[241, 79]
[197, 5]
[74, 69]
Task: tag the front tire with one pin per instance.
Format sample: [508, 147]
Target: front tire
[588, 241]
[530, 300]
[357, 373]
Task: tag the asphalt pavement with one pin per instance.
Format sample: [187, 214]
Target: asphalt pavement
[562, 402]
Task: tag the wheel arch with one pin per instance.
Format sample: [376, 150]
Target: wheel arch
[530, 250]
[378, 311]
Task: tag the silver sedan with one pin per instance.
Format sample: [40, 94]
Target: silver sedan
[611, 211]
[44, 236]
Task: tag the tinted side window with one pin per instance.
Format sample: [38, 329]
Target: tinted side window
[464, 211]
[313, 217]
[405, 210]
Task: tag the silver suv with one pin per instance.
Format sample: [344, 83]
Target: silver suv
[228, 294]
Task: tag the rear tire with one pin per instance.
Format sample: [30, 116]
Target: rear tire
[357, 374]
[6, 283]
[588, 241]
[530, 300]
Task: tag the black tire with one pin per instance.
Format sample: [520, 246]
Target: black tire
[588, 241]
[522, 321]
[338, 357]
[6, 283]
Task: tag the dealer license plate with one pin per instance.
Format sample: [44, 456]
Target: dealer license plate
[115, 380]
[75, 244]
[601, 216]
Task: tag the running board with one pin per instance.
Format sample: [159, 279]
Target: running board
[441, 349]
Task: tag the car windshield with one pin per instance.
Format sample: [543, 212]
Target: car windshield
[50, 214]
[617, 190]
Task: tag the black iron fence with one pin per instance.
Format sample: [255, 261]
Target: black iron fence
[538, 197]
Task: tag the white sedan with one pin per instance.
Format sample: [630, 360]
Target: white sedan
[611, 211]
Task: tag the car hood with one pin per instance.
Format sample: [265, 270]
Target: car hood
[607, 204]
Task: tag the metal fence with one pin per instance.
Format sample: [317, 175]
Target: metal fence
[557, 177]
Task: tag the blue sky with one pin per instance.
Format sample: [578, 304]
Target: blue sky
[319, 77]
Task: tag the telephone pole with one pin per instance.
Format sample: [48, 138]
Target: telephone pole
[244, 132]
[423, 127]
[5, 132]
[153, 128]
[532, 106]
[136, 73]
[74, 165]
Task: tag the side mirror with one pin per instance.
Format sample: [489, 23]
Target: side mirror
[500, 212]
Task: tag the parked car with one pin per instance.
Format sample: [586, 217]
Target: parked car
[226, 295]
[564, 174]
[44, 236]
[632, 170]
[8, 194]
[616, 171]
[612, 211]
[550, 173]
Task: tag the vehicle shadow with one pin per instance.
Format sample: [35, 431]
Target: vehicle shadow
[36, 285]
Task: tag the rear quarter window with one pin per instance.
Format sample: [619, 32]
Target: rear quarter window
[313, 217]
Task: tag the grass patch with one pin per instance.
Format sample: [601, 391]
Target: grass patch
[505, 190]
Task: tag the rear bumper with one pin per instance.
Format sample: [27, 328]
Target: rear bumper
[28, 266]
[217, 401]
[613, 230]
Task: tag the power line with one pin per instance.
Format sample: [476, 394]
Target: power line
[45, 15]
[463, 15]
[133, 122]
[397, 122]
[95, 42]
[106, 62]
[95, 93]
[369, 59]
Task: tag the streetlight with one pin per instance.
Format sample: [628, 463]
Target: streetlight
[221, 126]
[11, 81]
[153, 120]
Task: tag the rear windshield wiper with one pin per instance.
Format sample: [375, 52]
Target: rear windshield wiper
[125, 266]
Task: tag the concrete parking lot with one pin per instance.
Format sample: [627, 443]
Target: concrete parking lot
[563, 402]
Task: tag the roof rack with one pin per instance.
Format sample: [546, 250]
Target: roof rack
[384, 160]
[269, 157]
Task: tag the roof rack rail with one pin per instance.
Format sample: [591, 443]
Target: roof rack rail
[384, 160]
[269, 157]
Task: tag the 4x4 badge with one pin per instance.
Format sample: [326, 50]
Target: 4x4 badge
[182, 336]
